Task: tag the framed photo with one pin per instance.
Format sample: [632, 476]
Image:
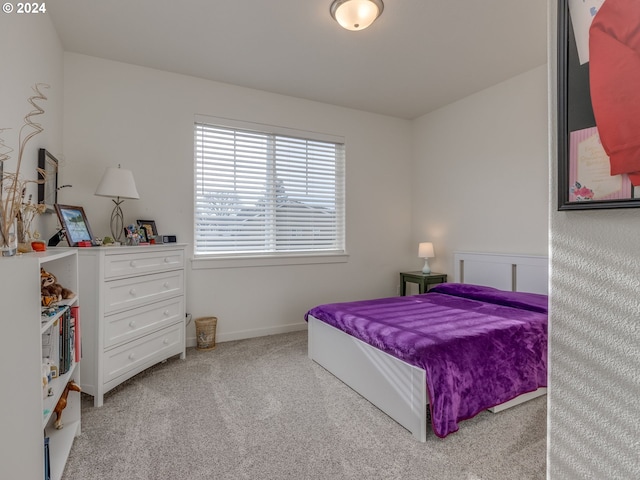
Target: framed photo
[141, 231]
[75, 224]
[592, 173]
[47, 179]
[144, 235]
[149, 227]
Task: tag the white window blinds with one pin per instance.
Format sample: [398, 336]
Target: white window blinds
[260, 192]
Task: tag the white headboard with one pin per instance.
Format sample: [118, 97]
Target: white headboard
[518, 273]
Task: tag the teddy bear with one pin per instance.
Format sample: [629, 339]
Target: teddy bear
[51, 291]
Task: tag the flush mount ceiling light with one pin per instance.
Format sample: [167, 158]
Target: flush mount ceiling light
[356, 14]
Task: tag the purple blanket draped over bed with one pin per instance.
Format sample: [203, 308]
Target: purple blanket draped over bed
[479, 346]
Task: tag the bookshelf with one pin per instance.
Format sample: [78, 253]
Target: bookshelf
[26, 412]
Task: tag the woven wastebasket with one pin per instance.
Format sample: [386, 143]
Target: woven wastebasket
[206, 332]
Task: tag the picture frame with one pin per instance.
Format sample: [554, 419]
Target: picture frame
[144, 237]
[47, 179]
[584, 171]
[149, 227]
[75, 224]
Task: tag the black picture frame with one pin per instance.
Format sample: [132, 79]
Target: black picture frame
[575, 114]
[47, 179]
[75, 224]
[149, 227]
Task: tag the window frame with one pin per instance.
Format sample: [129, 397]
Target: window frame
[268, 258]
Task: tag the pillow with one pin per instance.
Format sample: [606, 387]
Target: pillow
[533, 302]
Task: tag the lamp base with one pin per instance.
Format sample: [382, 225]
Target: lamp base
[117, 220]
[426, 268]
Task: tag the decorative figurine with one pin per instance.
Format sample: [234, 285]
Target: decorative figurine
[62, 403]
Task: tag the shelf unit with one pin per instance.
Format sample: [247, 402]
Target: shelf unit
[27, 415]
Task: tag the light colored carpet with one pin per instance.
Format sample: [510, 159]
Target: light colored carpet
[260, 409]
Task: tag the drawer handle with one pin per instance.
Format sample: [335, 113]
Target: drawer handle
[132, 324]
[132, 263]
[165, 284]
[132, 292]
[132, 356]
[166, 341]
[166, 260]
[166, 313]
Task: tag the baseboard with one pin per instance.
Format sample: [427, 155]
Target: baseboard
[254, 332]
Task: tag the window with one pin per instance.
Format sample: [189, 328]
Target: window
[263, 190]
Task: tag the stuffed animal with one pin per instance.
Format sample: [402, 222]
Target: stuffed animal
[51, 291]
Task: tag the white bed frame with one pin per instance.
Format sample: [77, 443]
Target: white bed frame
[394, 386]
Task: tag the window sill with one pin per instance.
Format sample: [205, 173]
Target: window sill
[206, 262]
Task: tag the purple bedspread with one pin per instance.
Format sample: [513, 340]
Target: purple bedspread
[479, 346]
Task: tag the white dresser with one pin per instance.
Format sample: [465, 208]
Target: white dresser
[133, 312]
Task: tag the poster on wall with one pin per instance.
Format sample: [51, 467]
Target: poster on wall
[589, 170]
[598, 104]
[582, 13]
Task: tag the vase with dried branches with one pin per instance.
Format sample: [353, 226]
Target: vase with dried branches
[27, 214]
[12, 185]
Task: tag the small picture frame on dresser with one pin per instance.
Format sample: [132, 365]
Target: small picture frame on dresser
[75, 224]
[149, 227]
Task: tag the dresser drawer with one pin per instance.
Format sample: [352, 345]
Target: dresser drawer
[136, 355]
[125, 326]
[129, 264]
[138, 291]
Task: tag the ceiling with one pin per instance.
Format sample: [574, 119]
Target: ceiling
[418, 56]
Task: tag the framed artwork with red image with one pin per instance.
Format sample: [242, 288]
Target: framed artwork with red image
[598, 104]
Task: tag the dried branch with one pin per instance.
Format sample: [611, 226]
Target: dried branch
[12, 192]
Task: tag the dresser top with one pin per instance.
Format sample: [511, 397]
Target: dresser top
[122, 249]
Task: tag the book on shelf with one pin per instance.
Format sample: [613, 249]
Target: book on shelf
[61, 344]
[75, 313]
[47, 461]
[66, 352]
[65, 342]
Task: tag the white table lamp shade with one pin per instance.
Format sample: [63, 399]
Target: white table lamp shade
[117, 182]
[425, 250]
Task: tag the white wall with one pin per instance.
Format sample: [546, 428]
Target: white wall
[480, 175]
[31, 54]
[143, 119]
[594, 395]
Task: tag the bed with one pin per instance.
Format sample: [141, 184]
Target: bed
[488, 349]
